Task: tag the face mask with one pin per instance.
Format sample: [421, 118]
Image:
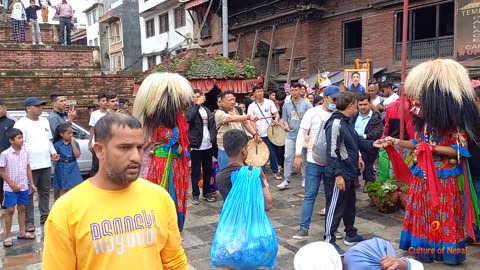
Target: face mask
[332, 106]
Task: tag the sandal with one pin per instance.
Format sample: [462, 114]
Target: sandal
[322, 212]
[27, 236]
[8, 242]
[30, 228]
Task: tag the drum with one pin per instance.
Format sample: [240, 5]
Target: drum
[258, 154]
[276, 134]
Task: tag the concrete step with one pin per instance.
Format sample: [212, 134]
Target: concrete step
[34, 57]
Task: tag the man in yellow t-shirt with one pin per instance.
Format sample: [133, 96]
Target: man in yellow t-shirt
[114, 220]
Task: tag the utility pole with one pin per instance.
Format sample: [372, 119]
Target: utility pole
[5, 7]
[225, 27]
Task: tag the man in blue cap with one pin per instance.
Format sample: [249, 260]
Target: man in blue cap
[314, 120]
[37, 141]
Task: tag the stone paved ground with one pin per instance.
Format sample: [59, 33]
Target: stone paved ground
[202, 220]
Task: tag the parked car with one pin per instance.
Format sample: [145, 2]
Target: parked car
[81, 135]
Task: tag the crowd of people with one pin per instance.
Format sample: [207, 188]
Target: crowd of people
[21, 16]
[332, 135]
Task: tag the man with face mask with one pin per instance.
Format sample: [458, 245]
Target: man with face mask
[126, 208]
[343, 147]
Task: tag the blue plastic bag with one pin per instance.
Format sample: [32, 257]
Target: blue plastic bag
[245, 238]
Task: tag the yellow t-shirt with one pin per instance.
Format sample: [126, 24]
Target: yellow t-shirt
[134, 228]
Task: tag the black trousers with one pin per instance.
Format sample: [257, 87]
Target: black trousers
[369, 172]
[340, 205]
[281, 156]
[94, 168]
[65, 30]
[201, 161]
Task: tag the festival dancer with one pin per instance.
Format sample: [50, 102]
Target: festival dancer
[441, 198]
[159, 106]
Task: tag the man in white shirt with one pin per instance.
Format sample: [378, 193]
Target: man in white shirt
[313, 120]
[37, 141]
[267, 113]
[94, 117]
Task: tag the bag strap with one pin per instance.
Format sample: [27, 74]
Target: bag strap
[260, 108]
[295, 108]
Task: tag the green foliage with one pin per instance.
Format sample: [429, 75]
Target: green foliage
[380, 191]
[208, 67]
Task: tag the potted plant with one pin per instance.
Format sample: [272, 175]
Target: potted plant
[385, 195]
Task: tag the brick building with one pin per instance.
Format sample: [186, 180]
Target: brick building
[332, 33]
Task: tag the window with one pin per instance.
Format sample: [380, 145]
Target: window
[94, 16]
[352, 42]
[152, 61]
[89, 19]
[115, 33]
[180, 19]
[205, 32]
[163, 23]
[430, 32]
[150, 27]
[90, 43]
[95, 42]
[116, 62]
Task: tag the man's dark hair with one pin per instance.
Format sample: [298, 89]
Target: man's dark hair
[362, 97]
[225, 93]
[103, 128]
[12, 133]
[101, 95]
[256, 87]
[197, 91]
[281, 95]
[295, 85]
[477, 91]
[344, 99]
[234, 141]
[123, 100]
[355, 72]
[111, 95]
[386, 84]
[55, 95]
[303, 86]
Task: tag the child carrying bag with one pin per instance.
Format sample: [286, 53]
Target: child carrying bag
[245, 238]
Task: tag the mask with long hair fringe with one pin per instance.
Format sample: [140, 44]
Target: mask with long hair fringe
[160, 97]
[446, 97]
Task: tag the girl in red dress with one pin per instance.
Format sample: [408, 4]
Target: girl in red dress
[159, 106]
[441, 198]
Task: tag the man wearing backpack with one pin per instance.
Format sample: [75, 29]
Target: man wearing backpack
[228, 117]
[313, 120]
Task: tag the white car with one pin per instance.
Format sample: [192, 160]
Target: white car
[81, 135]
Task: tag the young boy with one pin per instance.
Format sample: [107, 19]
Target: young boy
[235, 145]
[32, 20]
[17, 175]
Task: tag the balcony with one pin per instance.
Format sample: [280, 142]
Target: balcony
[426, 49]
[349, 56]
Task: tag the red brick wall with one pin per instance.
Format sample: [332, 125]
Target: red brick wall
[378, 34]
[49, 34]
[40, 57]
[81, 87]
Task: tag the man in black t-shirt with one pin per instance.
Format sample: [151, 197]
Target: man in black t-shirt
[5, 124]
[235, 144]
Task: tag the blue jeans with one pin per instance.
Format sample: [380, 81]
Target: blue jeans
[273, 154]
[313, 178]
[222, 159]
[476, 184]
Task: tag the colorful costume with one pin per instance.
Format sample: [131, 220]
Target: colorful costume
[159, 106]
[441, 202]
